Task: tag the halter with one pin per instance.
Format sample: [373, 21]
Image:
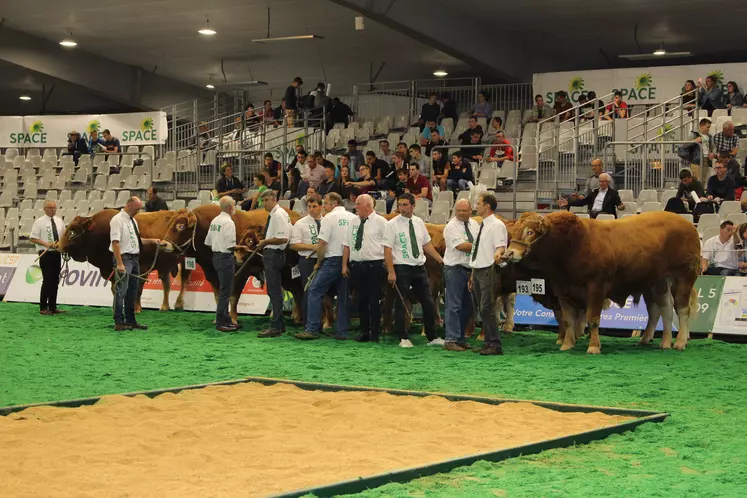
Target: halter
[181, 247]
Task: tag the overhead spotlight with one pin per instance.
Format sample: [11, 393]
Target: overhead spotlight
[69, 42]
[660, 50]
[24, 97]
[210, 86]
[207, 30]
[440, 72]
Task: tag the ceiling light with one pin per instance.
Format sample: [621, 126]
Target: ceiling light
[440, 72]
[210, 86]
[24, 97]
[287, 38]
[207, 30]
[660, 50]
[69, 42]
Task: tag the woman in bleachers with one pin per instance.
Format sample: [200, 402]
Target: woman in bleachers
[688, 95]
[734, 97]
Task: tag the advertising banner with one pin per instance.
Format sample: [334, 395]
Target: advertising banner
[136, 128]
[8, 264]
[647, 85]
[732, 308]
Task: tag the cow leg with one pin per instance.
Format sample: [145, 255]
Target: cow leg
[386, 311]
[666, 306]
[166, 283]
[558, 312]
[569, 320]
[328, 309]
[686, 304]
[184, 279]
[234, 308]
[580, 324]
[140, 287]
[593, 317]
[654, 313]
[508, 305]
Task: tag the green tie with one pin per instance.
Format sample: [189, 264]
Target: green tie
[414, 241]
[477, 242]
[359, 235]
[470, 239]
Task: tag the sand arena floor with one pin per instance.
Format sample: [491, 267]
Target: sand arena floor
[253, 440]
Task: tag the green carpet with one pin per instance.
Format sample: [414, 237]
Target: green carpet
[701, 450]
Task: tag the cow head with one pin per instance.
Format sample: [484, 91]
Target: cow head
[180, 232]
[75, 237]
[527, 230]
[247, 252]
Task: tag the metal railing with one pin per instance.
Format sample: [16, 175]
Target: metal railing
[246, 170]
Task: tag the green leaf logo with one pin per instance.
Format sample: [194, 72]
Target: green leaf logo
[94, 125]
[147, 124]
[645, 80]
[576, 84]
[33, 274]
[37, 127]
[718, 75]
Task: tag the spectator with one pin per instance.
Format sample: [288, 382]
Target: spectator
[435, 141]
[294, 180]
[688, 185]
[689, 95]
[321, 103]
[473, 126]
[496, 125]
[592, 183]
[385, 153]
[329, 184]
[349, 202]
[272, 165]
[430, 110]
[448, 110]
[291, 99]
[321, 161]
[719, 256]
[111, 144]
[402, 149]
[474, 154]
[726, 143]
[711, 97]
[430, 127]
[204, 139]
[268, 114]
[340, 112]
[734, 171]
[618, 108]
[734, 97]
[701, 146]
[562, 107]
[398, 163]
[356, 156]
[460, 173]
[418, 185]
[592, 95]
[483, 109]
[424, 165]
[228, 185]
[314, 171]
[344, 162]
[720, 187]
[309, 193]
[272, 183]
[398, 189]
[251, 118]
[379, 169]
[540, 110]
[587, 108]
[366, 182]
[345, 179]
[95, 142]
[441, 167]
[154, 203]
[298, 158]
[76, 146]
[502, 151]
[603, 200]
[256, 201]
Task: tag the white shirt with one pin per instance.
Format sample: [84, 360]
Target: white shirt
[121, 229]
[385, 157]
[42, 230]
[305, 232]
[598, 200]
[494, 235]
[397, 237]
[334, 230]
[280, 227]
[221, 236]
[454, 235]
[373, 235]
[720, 254]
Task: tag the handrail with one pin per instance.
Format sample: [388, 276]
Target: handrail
[576, 107]
[662, 104]
[278, 150]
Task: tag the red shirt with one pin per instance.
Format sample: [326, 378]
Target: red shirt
[621, 105]
[506, 152]
[416, 186]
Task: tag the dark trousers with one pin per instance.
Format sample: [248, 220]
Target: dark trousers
[458, 307]
[306, 267]
[717, 270]
[274, 260]
[483, 289]
[50, 264]
[126, 289]
[367, 279]
[416, 278]
[224, 265]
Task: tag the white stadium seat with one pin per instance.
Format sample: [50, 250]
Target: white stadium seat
[605, 217]
[707, 221]
[729, 207]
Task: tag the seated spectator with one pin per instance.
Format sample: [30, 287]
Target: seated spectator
[496, 125]
[344, 162]
[474, 154]
[385, 153]
[434, 141]
[154, 203]
[460, 173]
[441, 167]
[228, 185]
[734, 171]
[587, 109]
[502, 151]
[299, 161]
[592, 183]
[204, 140]
[482, 109]
[272, 165]
[424, 164]
[448, 109]
[617, 109]
[340, 112]
[726, 143]
[430, 127]
[256, 201]
[602, 200]
[379, 169]
[592, 96]
[111, 144]
[429, 111]
[720, 187]
[356, 157]
[719, 256]
[268, 114]
[294, 180]
[466, 136]
[314, 171]
[272, 183]
[402, 149]
[321, 160]
[418, 185]
[76, 146]
[95, 142]
[688, 185]
[349, 202]
[733, 97]
[740, 245]
[562, 107]
[344, 181]
[365, 183]
[330, 184]
[689, 95]
[310, 193]
[710, 97]
[398, 163]
[540, 110]
[397, 190]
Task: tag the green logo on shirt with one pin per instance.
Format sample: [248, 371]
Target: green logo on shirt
[403, 243]
[215, 228]
[314, 234]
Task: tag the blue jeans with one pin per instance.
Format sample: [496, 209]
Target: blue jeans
[458, 300]
[126, 290]
[457, 184]
[274, 260]
[224, 265]
[329, 274]
[306, 267]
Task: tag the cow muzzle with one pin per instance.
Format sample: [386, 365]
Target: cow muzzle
[167, 246]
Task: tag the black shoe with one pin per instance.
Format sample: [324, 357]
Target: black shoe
[270, 333]
[363, 338]
[138, 326]
[339, 337]
[492, 350]
[227, 328]
[121, 326]
[45, 312]
[306, 336]
[58, 311]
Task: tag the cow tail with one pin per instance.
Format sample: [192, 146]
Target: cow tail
[693, 305]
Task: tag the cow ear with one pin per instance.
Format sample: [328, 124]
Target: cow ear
[541, 225]
[89, 224]
[191, 220]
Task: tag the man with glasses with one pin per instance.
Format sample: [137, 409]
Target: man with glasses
[720, 187]
[603, 200]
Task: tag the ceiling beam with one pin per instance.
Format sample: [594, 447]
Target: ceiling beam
[112, 80]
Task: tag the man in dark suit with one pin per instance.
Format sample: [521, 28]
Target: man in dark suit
[602, 200]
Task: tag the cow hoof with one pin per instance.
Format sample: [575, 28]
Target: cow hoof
[644, 342]
[138, 309]
[559, 341]
[481, 337]
[680, 346]
[594, 350]
[179, 305]
[566, 347]
[665, 345]
[328, 325]
[165, 307]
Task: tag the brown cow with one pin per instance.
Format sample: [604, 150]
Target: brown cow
[86, 238]
[654, 255]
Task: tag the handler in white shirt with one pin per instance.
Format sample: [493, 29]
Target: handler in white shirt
[277, 235]
[45, 233]
[490, 244]
[305, 241]
[406, 241]
[334, 229]
[719, 256]
[459, 235]
[221, 238]
[363, 260]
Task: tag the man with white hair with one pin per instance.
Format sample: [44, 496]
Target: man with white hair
[726, 143]
[459, 235]
[221, 238]
[363, 260]
[597, 168]
[602, 200]
[45, 233]
[126, 246]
